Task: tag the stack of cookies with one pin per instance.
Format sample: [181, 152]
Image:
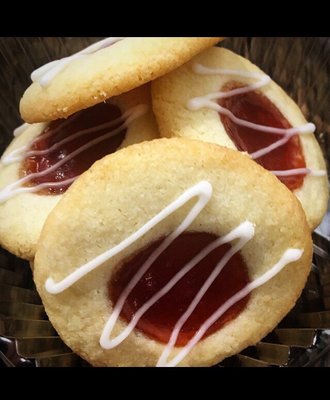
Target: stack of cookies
[165, 192]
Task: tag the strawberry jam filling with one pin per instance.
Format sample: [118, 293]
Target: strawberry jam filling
[78, 136]
[159, 321]
[257, 108]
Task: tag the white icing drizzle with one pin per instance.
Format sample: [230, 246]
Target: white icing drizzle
[291, 255]
[47, 72]
[300, 171]
[203, 190]
[13, 190]
[18, 155]
[243, 233]
[209, 101]
[19, 130]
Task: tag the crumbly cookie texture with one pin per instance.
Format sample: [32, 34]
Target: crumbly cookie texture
[22, 216]
[172, 92]
[108, 72]
[119, 194]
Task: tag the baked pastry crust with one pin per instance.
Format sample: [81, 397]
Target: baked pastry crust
[119, 194]
[109, 72]
[172, 92]
[22, 216]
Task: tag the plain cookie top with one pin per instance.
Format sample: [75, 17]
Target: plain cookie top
[111, 71]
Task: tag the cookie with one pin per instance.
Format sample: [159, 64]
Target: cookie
[168, 234]
[108, 68]
[43, 161]
[222, 98]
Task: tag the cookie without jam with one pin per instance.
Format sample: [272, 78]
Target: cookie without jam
[171, 95]
[23, 215]
[123, 191]
[109, 72]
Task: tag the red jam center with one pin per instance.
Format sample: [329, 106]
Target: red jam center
[60, 129]
[158, 322]
[257, 108]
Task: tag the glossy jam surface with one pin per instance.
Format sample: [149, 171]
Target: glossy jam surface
[257, 108]
[58, 130]
[159, 321]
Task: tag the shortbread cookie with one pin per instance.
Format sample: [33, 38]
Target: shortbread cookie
[222, 98]
[65, 148]
[186, 209]
[105, 69]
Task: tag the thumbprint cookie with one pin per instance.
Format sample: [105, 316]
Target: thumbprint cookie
[44, 159]
[223, 98]
[105, 69]
[173, 252]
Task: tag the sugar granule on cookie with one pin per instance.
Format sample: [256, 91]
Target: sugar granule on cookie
[185, 266]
